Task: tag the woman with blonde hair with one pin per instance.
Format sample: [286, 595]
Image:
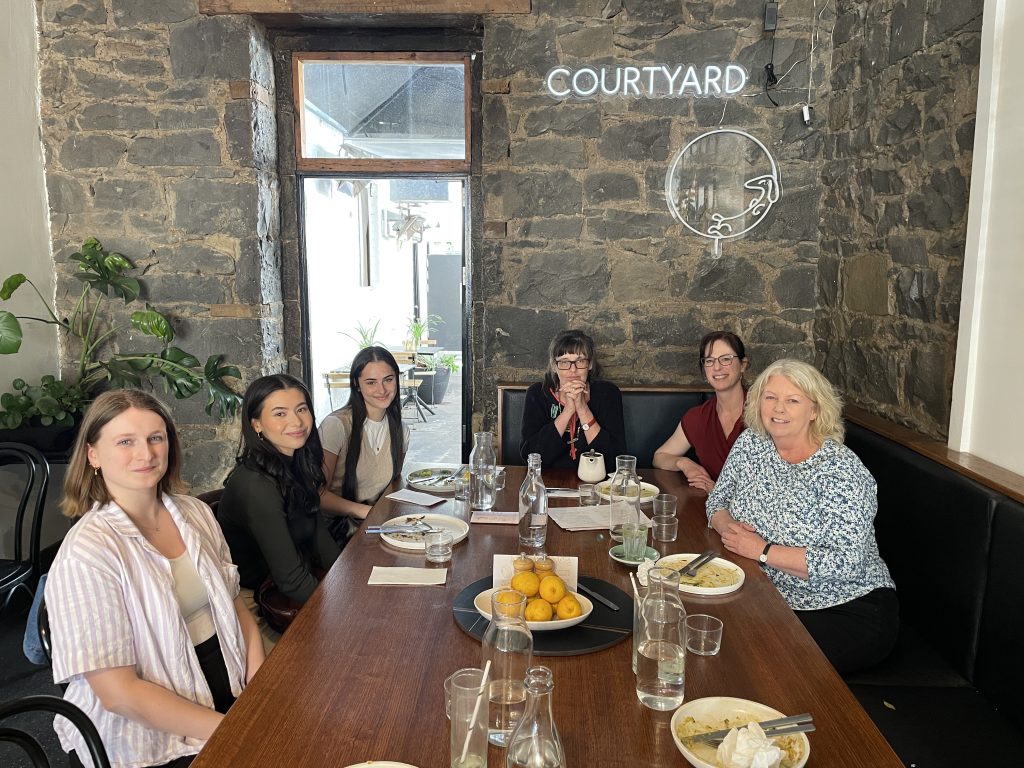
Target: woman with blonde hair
[148, 631]
[797, 500]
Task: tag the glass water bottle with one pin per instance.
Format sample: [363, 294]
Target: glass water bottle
[533, 510]
[507, 655]
[482, 466]
[660, 644]
[623, 500]
[535, 742]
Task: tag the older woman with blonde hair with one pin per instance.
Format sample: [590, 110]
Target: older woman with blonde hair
[797, 500]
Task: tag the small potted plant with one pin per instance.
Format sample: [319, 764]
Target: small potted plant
[94, 334]
[432, 389]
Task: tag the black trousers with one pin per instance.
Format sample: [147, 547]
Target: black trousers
[858, 634]
[211, 660]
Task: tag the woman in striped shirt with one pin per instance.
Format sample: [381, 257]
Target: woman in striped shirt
[148, 631]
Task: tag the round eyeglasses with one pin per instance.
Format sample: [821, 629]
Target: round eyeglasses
[724, 360]
[579, 363]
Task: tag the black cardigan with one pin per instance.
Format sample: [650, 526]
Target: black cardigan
[539, 435]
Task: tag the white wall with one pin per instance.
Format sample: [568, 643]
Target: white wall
[986, 418]
[23, 217]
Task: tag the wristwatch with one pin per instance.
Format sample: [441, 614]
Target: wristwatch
[589, 424]
[763, 557]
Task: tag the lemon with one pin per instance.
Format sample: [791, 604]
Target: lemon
[538, 610]
[552, 588]
[568, 607]
[526, 582]
[508, 602]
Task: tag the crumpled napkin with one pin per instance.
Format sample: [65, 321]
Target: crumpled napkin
[748, 748]
[643, 569]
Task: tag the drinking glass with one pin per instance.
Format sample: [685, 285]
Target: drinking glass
[448, 689]
[634, 541]
[588, 497]
[703, 634]
[664, 504]
[665, 527]
[438, 546]
[469, 719]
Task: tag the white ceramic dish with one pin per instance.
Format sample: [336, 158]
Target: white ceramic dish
[414, 541]
[482, 602]
[381, 764]
[420, 479]
[713, 710]
[679, 561]
[647, 491]
[615, 553]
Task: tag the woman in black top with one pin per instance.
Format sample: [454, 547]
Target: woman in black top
[572, 411]
[270, 511]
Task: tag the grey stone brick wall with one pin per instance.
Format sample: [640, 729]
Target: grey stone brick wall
[159, 140]
[896, 171]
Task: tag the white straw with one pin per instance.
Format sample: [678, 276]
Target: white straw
[636, 590]
[476, 710]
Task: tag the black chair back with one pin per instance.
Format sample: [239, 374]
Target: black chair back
[57, 706]
[212, 498]
[23, 570]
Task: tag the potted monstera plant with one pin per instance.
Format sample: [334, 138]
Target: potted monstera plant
[96, 336]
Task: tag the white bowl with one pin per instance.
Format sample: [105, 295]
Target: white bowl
[482, 602]
[712, 710]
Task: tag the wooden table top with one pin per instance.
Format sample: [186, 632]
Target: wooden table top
[359, 675]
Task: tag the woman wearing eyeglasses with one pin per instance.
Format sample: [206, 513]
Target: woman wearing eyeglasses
[573, 410]
[711, 428]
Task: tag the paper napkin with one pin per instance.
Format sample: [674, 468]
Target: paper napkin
[586, 518]
[493, 516]
[382, 575]
[415, 497]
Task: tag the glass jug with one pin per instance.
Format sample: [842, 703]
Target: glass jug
[482, 471]
[533, 510]
[659, 648]
[507, 647]
[535, 742]
[623, 500]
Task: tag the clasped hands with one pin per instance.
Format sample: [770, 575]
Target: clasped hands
[741, 538]
[575, 396]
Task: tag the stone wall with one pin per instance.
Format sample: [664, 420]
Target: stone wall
[577, 230]
[159, 140]
[896, 174]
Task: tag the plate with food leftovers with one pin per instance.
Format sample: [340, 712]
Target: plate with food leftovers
[718, 577]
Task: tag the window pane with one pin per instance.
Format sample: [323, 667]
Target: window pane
[383, 110]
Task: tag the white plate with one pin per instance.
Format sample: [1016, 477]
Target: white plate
[381, 764]
[420, 479]
[647, 491]
[615, 553]
[414, 541]
[713, 710]
[482, 602]
[679, 561]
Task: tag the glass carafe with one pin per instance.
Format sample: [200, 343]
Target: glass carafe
[482, 461]
[623, 500]
[533, 510]
[535, 742]
[660, 643]
[507, 654]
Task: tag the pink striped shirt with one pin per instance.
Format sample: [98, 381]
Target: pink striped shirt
[111, 601]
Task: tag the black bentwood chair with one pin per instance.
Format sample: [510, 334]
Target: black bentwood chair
[58, 706]
[23, 570]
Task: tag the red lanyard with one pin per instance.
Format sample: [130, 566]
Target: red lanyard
[573, 422]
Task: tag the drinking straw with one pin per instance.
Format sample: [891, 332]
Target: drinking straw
[636, 590]
[476, 710]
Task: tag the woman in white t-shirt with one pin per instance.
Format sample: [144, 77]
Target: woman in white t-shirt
[364, 442]
[148, 630]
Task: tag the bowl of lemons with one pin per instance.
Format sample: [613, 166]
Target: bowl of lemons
[549, 604]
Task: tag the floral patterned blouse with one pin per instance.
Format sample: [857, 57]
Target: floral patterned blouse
[826, 503]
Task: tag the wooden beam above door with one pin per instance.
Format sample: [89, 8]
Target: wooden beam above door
[389, 7]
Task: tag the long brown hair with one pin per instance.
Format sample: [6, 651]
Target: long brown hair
[82, 486]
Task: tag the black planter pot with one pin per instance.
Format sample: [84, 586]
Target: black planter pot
[432, 388]
[54, 442]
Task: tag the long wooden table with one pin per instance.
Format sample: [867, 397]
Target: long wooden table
[359, 674]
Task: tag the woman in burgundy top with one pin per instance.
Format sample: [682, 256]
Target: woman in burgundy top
[712, 427]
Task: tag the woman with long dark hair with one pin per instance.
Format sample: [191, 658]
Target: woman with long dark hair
[270, 511]
[364, 442]
[149, 631]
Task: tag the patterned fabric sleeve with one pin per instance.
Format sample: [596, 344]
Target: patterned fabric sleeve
[848, 493]
[726, 486]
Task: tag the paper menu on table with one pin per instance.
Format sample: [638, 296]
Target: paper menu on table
[415, 497]
[589, 518]
[494, 516]
[565, 567]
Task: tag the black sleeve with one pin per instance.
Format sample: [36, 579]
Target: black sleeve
[539, 434]
[607, 409]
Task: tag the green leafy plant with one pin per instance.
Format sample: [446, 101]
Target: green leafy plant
[449, 361]
[420, 329]
[103, 275]
[365, 335]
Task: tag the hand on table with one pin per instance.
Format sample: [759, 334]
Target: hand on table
[740, 538]
[696, 475]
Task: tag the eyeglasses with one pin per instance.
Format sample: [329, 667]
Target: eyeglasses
[724, 360]
[579, 363]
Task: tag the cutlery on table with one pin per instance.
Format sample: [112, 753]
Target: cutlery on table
[417, 527]
[599, 598]
[697, 563]
[783, 726]
[442, 477]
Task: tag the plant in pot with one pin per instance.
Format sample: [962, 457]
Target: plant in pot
[419, 330]
[93, 330]
[365, 335]
[433, 388]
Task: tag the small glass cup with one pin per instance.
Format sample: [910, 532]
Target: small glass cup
[634, 541]
[462, 486]
[703, 634]
[438, 546]
[665, 527]
[457, 675]
[469, 719]
[664, 504]
[588, 497]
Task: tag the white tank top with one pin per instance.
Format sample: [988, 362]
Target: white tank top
[193, 601]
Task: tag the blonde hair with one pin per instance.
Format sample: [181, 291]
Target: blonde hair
[828, 425]
[82, 486]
